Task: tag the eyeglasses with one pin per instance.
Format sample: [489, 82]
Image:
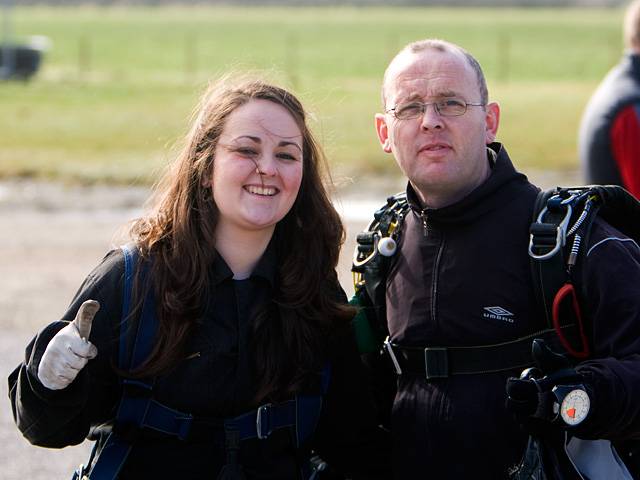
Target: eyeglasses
[451, 107]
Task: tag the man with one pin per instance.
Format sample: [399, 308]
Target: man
[609, 137]
[461, 278]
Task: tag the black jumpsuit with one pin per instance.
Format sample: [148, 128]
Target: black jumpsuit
[213, 380]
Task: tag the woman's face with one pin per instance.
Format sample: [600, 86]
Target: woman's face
[257, 167]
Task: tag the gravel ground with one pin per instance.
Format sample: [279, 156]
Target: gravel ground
[51, 236]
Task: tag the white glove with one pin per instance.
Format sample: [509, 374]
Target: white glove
[69, 351]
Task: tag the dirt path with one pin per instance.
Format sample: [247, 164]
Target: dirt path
[51, 236]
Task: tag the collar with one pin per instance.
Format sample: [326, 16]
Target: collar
[266, 267]
[494, 191]
[634, 60]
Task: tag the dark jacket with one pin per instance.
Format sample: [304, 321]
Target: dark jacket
[619, 89]
[213, 381]
[453, 267]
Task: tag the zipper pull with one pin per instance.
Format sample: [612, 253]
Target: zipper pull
[425, 227]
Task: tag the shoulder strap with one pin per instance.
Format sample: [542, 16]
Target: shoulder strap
[547, 235]
[561, 226]
[136, 397]
[309, 407]
[130, 356]
[371, 259]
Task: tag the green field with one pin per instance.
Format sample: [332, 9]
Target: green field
[118, 85]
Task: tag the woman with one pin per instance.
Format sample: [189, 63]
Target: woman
[251, 362]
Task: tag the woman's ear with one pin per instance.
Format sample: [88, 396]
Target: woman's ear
[207, 176]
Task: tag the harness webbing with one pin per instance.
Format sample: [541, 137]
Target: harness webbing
[549, 230]
[132, 409]
[442, 362]
[138, 410]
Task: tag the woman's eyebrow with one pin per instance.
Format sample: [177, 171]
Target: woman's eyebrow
[250, 137]
[282, 143]
[286, 144]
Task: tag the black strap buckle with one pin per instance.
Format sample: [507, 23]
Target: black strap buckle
[436, 362]
[263, 423]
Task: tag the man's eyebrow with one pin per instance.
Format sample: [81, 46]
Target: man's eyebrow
[443, 94]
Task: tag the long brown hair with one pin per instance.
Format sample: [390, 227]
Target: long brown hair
[178, 235]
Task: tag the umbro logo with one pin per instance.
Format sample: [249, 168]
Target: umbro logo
[498, 313]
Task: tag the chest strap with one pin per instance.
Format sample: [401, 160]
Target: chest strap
[442, 362]
[258, 423]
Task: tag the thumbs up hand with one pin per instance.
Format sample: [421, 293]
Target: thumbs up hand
[69, 351]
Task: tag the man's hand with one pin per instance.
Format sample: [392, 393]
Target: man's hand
[530, 398]
[69, 351]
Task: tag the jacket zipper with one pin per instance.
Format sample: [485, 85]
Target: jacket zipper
[434, 282]
[425, 227]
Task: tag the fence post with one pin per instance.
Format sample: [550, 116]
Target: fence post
[291, 53]
[84, 55]
[504, 54]
[190, 56]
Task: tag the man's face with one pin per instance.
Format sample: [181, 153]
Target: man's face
[443, 157]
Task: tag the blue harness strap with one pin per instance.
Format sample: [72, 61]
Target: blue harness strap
[133, 408]
[308, 408]
[139, 410]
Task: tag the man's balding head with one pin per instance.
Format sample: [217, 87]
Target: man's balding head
[416, 48]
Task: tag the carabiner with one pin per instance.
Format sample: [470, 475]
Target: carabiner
[371, 256]
[561, 234]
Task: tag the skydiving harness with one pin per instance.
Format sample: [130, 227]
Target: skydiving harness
[561, 225]
[139, 411]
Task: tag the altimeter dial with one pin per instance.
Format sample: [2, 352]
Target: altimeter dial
[574, 405]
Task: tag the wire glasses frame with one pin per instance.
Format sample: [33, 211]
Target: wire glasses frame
[451, 107]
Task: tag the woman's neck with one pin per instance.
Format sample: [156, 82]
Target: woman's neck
[241, 249]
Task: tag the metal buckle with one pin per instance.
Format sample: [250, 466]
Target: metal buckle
[561, 234]
[436, 362]
[260, 423]
[374, 252]
[80, 473]
[394, 360]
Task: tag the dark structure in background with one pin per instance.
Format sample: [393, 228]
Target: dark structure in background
[18, 62]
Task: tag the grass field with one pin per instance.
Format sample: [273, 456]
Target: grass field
[118, 85]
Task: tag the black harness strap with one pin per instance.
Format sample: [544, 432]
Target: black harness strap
[548, 275]
[443, 362]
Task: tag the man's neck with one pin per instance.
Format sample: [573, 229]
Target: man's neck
[435, 199]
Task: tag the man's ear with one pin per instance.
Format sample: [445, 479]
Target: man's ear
[382, 129]
[492, 120]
